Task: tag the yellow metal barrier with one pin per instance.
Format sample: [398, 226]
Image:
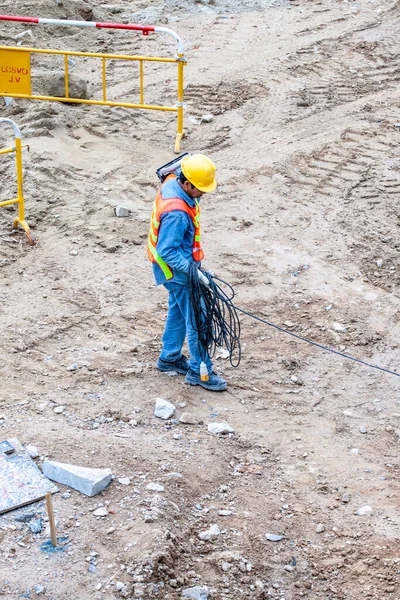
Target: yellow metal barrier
[20, 220]
[15, 70]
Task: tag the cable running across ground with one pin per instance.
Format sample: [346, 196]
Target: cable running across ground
[217, 323]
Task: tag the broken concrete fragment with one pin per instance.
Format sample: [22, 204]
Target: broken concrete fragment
[364, 510]
[220, 428]
[187, 419]
[124, 480]
[39, 589]
[155, 487]
[210, 534]
[85, 480]
[198, 592]
[32, 451]
[272, 537]
[121, 211]
[36, 526]
[100, 512]
[164, 409]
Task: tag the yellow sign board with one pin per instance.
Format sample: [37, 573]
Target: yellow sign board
[15, 72]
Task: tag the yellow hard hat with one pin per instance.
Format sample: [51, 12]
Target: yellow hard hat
[200, 171]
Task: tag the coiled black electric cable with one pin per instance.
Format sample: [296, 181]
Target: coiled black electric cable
[214, 316]
[216, 320]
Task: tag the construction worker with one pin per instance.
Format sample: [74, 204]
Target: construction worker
[174, 242]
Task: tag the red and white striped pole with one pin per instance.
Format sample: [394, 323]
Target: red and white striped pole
[145, 29]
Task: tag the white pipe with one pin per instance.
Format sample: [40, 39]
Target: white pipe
[174, 35]
[67, 22]
[17, 131]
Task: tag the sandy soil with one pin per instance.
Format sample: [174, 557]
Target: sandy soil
[304, 225]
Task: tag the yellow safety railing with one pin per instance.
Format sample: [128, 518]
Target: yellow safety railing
[20, 220]
[15, 80]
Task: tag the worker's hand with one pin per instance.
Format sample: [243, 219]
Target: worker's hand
[203, 279]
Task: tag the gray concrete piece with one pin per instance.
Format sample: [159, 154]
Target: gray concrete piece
[84, 480]
[198, 592]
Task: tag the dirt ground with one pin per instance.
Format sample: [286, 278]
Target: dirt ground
[304, 225]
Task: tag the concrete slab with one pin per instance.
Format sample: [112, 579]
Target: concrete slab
[83, 479]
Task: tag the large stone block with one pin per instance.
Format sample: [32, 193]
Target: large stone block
[84, 480]
[77, 87]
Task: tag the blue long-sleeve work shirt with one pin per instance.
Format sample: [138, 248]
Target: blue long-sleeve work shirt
[175, 236]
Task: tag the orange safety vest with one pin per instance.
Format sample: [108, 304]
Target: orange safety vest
[162, 206]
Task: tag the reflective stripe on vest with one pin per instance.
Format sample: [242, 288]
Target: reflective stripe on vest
[160, 207]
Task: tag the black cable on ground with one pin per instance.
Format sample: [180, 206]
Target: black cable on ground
[303, 339]
[216, 320]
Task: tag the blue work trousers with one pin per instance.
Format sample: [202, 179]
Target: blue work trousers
[178, 326]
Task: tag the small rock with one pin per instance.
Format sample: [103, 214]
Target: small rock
[164, 409]
[177, 436]
[223, 352]
[339, 328]
[379, 263]
[36, 526]
[303, 103]
[110, 531]
[124, 480]
[59, 409]
[363, 429]
[32, 451]
[73, 367]
[99, 586]
[92, 569]
[224, 513]
[364, 510]
[320, 528]
[187, 419]
[289, 324]
[207, 118]
[119, 586]
[74, 253]
[345, 498]
[155, 487]
[220, 428]
[24, 517]
[271, 537]
[100, 512]
[198, 592]
[121, 211]
[210, 534]
[38, 589]
[101, 420]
